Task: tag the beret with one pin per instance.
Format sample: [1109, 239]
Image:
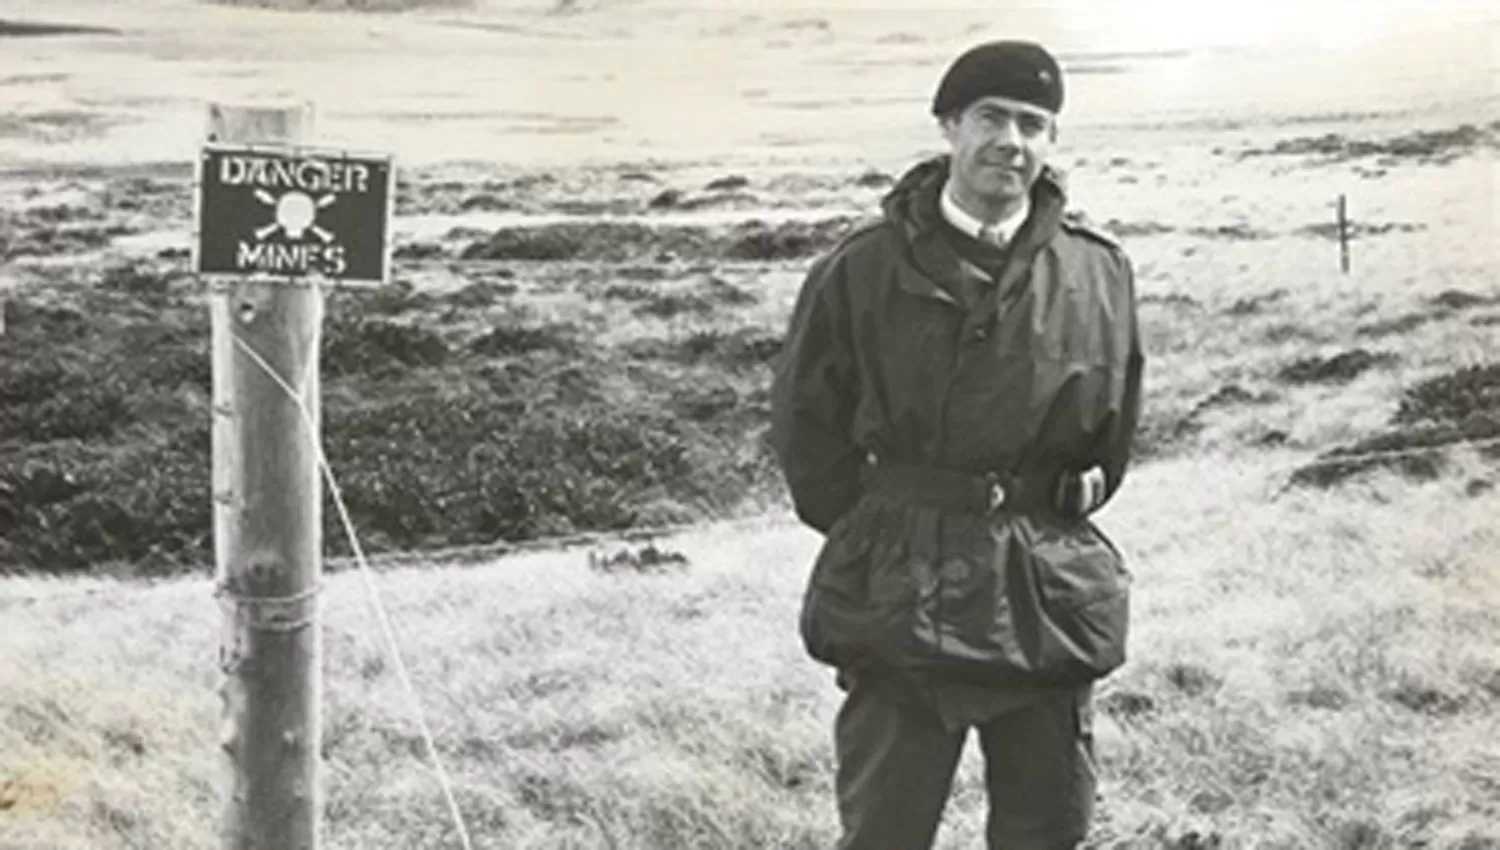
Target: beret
[1019, 70]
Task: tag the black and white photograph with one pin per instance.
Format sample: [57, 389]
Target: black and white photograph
[735, 425]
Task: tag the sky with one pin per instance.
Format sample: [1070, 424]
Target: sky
[1331, 24]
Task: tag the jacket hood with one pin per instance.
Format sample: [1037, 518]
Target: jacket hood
[911, 207]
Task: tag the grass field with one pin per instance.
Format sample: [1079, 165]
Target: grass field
[1315, 669]
[589, 288]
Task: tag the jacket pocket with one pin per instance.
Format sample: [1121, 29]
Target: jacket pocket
[848, 592]
[1071, 595]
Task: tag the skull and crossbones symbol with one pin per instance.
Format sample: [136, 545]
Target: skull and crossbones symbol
[296, 213]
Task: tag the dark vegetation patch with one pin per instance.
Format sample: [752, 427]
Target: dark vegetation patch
[666, 199]
[726, 293]
[1127, 229]
[1396, 326]
[392, 299]
[705, 400]
[1423, 699]
[487, 202]
[1428, 146]
[353, 344]
[644, 272]
[481, 293]
[1127, 704]
[418, 195]
[786, 241]
[1292, 331]
[1413, 452]
[57, 125]
[418, 250]
[1226, 396]
[720, 200]
[1192, 680]
[743, 348]
[727, 183]
[161, 199]
[18, 29]
[508, 339]
[1358, 229]
[628, 292]
[1458, 299]
[49, 231]
[439, 435]
[1171, 299]
[1164, 427]
[647, 559]
[1341, 368]
[1238, 232]
[1211, 801]
[635, 241]
[1460, 406]
[668, 305]
[1322, 697]
[1453, 397]
[1252, 305]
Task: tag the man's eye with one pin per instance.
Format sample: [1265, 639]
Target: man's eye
[1032, 124]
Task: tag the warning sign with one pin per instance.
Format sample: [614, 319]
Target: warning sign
[292, 212]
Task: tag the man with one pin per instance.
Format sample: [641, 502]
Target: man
[957, 394]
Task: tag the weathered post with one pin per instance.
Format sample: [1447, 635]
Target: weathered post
[1343, 235]
[267, 534]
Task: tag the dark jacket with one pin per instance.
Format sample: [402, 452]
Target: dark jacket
[887, 362]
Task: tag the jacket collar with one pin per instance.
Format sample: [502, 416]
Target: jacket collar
[1004, 230]
[912, 207]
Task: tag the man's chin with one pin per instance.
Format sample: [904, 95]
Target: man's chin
[1005, 181]
[1005, 190]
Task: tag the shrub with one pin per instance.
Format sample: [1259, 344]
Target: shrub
[470, 467]
[1340, 368]
[352, 346]
[42, 400]
[519, 339]
[1454, 396]
[137, 279]
[79, 505]
[789, 240]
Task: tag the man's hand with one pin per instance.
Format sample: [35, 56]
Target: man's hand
[1080, 493]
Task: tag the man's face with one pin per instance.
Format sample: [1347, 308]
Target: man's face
[999, 146]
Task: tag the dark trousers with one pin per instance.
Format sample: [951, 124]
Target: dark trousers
[896, 761]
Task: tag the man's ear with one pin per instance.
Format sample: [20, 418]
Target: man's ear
[948, 126]
[1052, 130]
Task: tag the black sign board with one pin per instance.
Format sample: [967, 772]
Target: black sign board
[291, 212]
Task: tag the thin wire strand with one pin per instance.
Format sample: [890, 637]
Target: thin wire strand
[503, 547]
[372, 592]
[1336, 460]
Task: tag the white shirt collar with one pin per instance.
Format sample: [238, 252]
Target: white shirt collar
[1005, 229]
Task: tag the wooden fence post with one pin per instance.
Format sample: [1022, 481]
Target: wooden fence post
[1343, 235]
[268, 535]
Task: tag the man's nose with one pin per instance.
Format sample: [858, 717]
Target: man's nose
[1007, 135]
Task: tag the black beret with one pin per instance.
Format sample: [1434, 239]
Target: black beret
[1020, 70]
